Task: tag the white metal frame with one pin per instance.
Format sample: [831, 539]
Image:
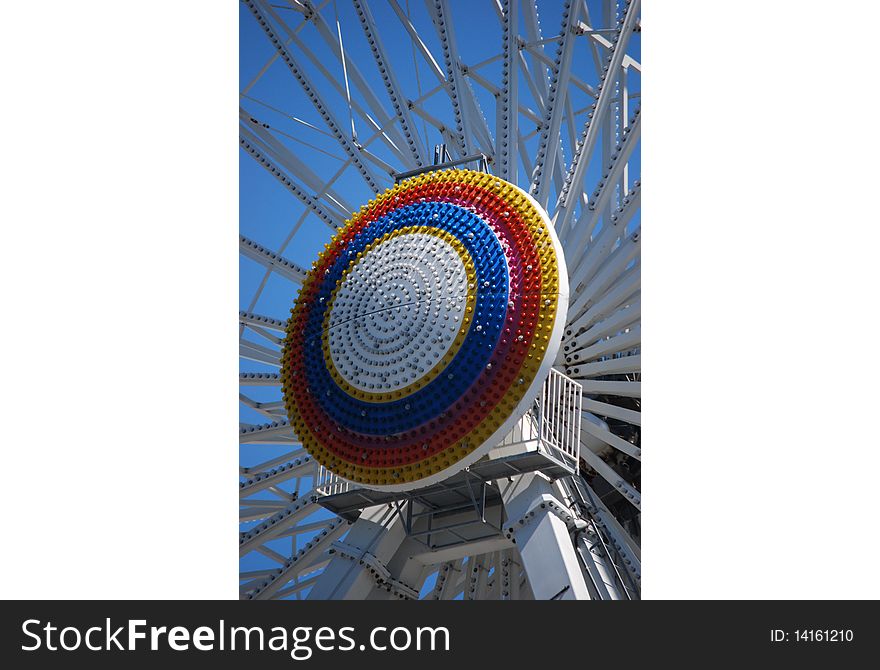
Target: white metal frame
[542, 135]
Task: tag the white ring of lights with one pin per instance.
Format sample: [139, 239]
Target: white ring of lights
[397, 312]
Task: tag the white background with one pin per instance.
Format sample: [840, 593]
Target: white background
[119, 263]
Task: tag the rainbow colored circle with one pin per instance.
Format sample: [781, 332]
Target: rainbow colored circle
[424, 330]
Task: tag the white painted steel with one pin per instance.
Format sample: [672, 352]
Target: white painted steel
[554, 109]
[406, 295]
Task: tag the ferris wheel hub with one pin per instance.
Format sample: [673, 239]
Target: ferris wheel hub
[425, 330]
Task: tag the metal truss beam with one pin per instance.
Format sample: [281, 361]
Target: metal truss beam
[533, 34]
[259, 379]
[446, 576]
[398, 101]
[598, 37]
[612, 411]
[549, 139]
[599, 567]
[258, 511]
[286, 160]
[378, 533]
[260, 12]
[606, 187]
[333, 220]
[507, 119]
[257, 482]
[274, 525]
[469, 119]
[622, 389]
[262, 332]
[628, 315]
[251, 319]
[609, 438]
[297, 564]
[265, 465]
[609, 475]
[296, 588]
[539, 54]
[271, 410]
[268, 431]
[623, 341]
[271, 260]
[536, 522]
[613, 366]
[433, 66]
[619, 539]
[258, 353]
[388, 131]
[603, 244]
[612, 280]
[577, 170]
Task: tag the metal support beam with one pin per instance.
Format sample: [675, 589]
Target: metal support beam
[276, 524]
[613, 366]
[333, 220]
[271, 260]
[281, 473]
[390, 135]
[577, 170]
[297, 564]
[507, 124]
[609, 475]
[549, 139]
[628, 315]
[257, 352]
[259, 10]
[398, 101]
[608, 184]
[375, 536]
[251, 319]
[543, 539]
[260, 433]
[273, 147]
[259, 379]
[458, 89]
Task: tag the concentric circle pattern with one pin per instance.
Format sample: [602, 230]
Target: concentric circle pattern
[424, 330]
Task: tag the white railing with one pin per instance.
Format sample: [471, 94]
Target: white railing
[524, 432]
[559, 414]
[328, 483]
[553, 424]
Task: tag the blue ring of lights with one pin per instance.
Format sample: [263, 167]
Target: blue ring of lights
[490, 310]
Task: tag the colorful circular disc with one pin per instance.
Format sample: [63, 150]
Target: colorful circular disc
[425, 330]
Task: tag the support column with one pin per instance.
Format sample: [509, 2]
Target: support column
[372, 540]
[536, 522]
[405, 572]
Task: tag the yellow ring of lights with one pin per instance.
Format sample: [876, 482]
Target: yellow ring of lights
[550, 283]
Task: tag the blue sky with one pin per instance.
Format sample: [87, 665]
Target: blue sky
[268, 212]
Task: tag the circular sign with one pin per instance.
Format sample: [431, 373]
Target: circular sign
[425, 330]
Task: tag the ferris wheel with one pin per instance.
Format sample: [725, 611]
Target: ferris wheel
[440, 299]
